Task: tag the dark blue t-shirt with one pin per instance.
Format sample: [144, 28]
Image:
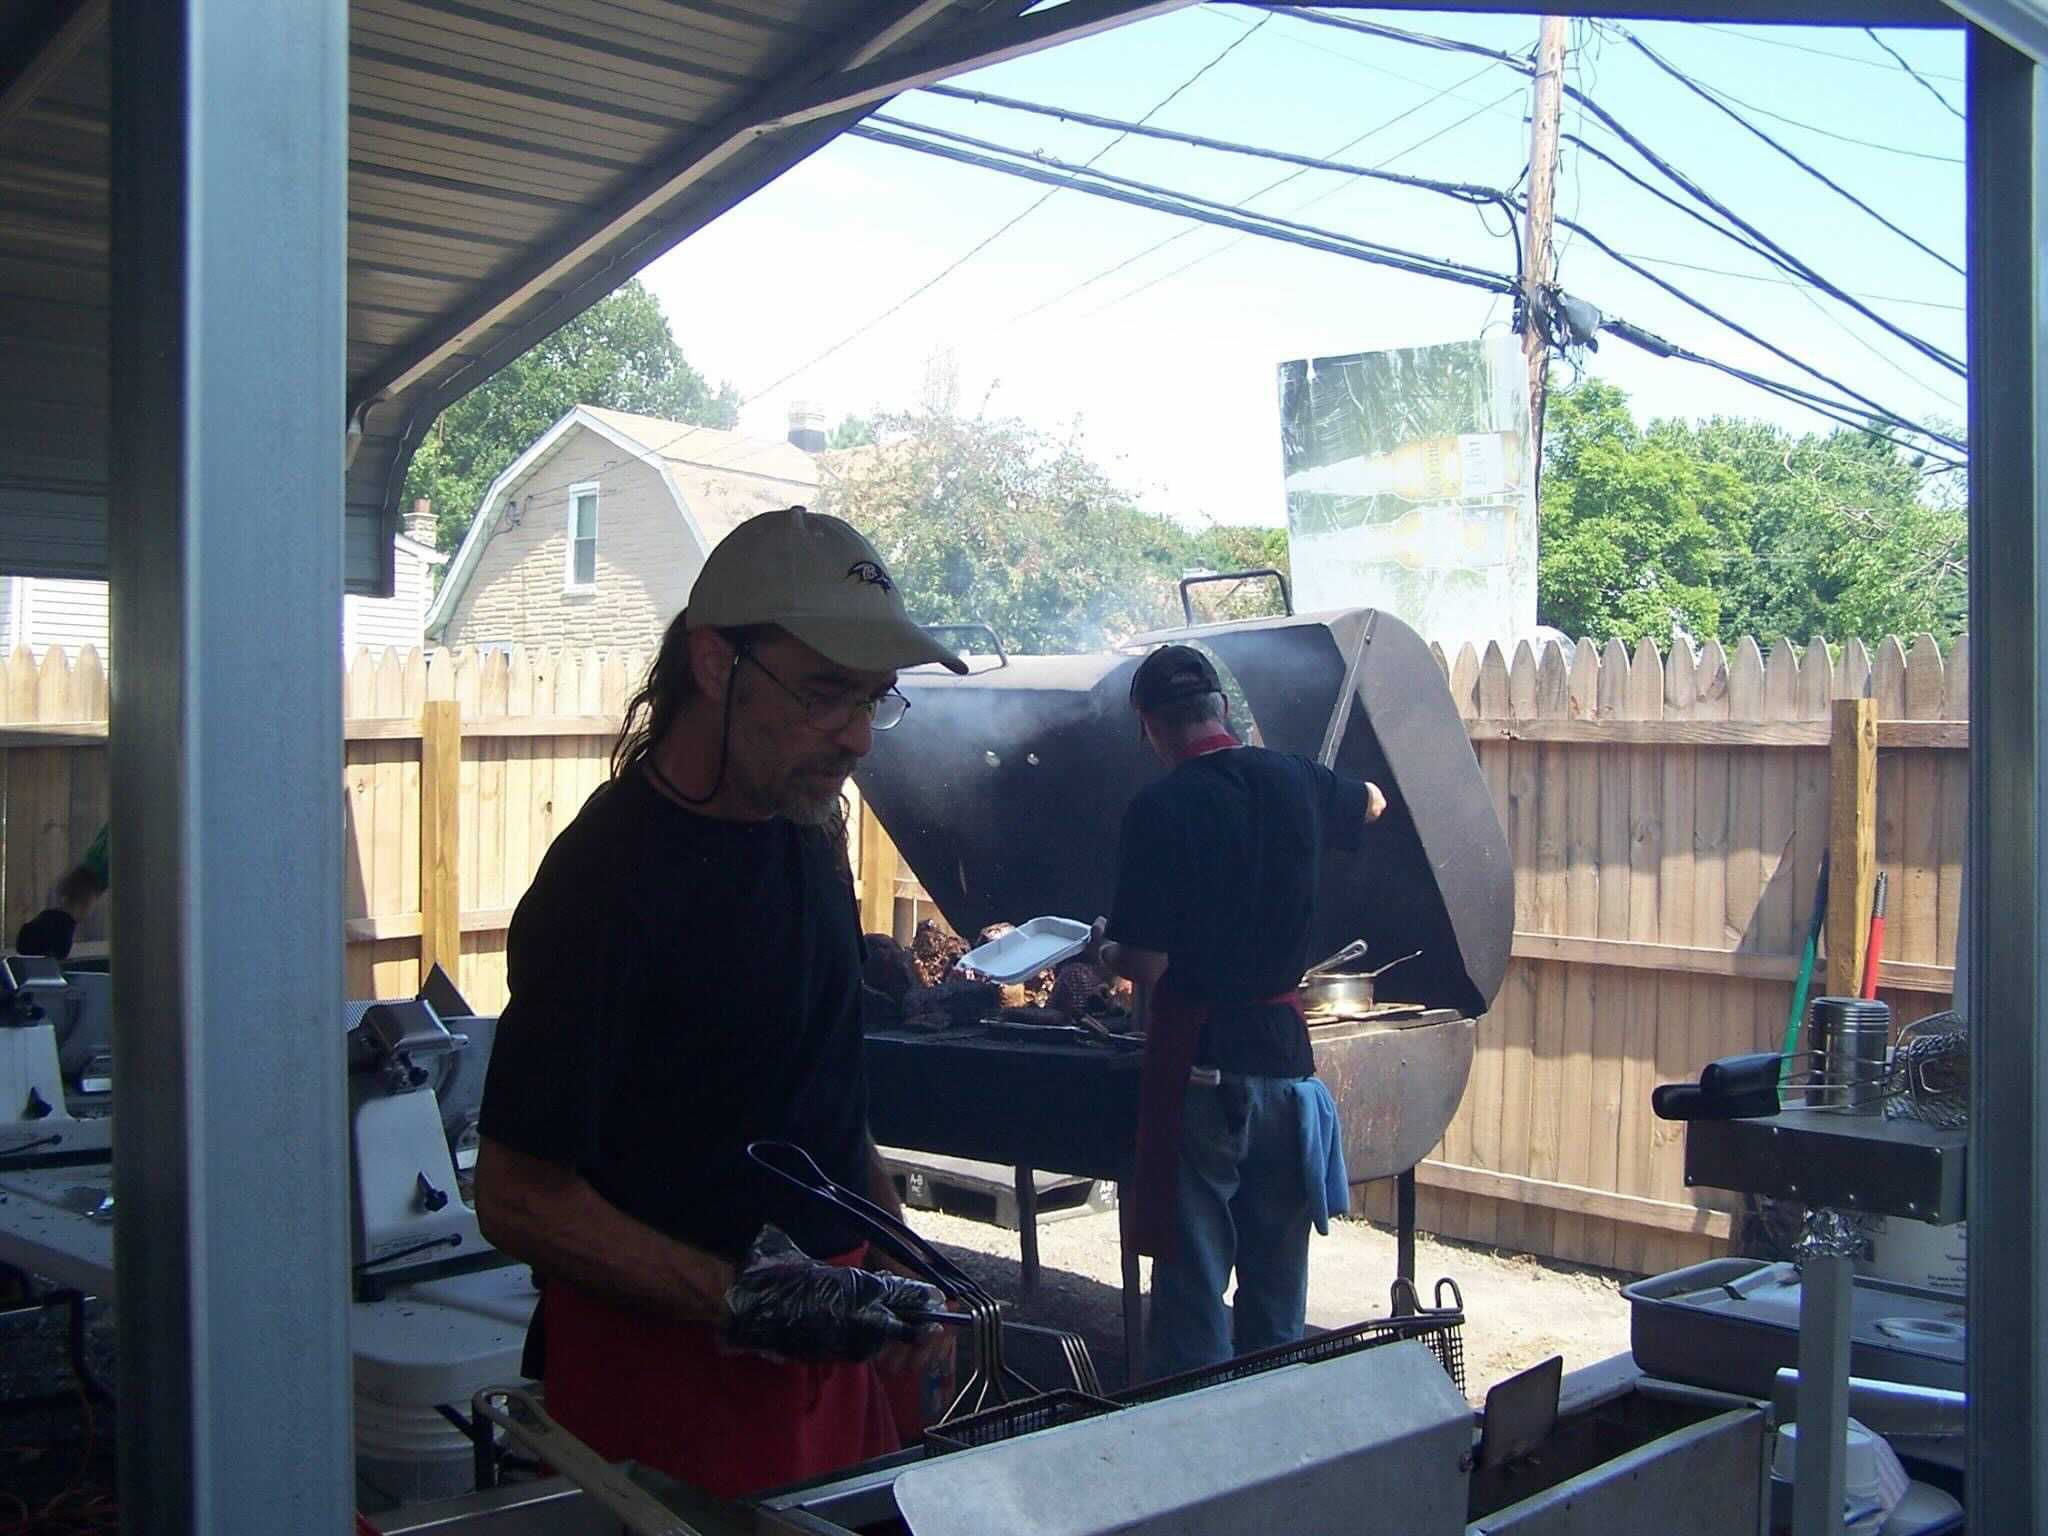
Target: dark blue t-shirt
[681, 986]
[1218, 867]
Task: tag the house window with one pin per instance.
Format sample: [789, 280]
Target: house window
[582, 571]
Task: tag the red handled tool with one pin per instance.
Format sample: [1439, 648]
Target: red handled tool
[1876, 950]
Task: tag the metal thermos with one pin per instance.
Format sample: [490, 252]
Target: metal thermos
[1852, 1038]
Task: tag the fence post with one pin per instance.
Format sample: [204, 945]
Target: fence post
[1852, 840]
[440, 834]
[878, 862]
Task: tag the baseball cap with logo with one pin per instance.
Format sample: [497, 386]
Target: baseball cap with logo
[816, 577]
[1172, 672]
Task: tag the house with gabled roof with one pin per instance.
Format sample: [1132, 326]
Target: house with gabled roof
[594, 535]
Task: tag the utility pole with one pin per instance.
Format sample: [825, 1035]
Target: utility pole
[1538, 266]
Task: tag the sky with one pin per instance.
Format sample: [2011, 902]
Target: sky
[1164, 360]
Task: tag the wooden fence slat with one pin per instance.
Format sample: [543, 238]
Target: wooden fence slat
[1646, 859]
[397, 823]
[1547, 1065]
[1746, 855]
[1679, 770]
[1491, 693]
[1573, 1236]
[1614, 998]
[1953, 808]
[1888, 691]
[1518, 1227]
[1916, 894]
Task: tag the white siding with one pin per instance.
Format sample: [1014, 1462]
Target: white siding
[70, 614]
[73, 614]
[396, 621]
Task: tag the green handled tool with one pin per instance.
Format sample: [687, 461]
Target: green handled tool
[1806, 960]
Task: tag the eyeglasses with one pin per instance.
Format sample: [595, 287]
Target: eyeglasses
[885, 711]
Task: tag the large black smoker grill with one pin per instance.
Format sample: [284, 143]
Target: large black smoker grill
[1004, 791]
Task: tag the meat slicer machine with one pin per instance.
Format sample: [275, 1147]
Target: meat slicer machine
[48, 1023]
[413, 1087]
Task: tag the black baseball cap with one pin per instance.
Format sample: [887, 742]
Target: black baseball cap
[1170, 673]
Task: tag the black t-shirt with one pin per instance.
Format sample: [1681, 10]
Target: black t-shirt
[1217, 868]
[681, 986]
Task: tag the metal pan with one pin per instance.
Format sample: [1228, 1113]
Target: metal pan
[1325, 993]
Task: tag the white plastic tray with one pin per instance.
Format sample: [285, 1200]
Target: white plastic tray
[1031, 947]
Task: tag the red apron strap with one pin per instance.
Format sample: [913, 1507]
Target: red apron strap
[1173, 1034]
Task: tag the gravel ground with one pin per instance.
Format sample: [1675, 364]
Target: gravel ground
[1519, 1310]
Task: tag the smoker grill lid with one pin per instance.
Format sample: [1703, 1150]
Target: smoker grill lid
[1004, 790]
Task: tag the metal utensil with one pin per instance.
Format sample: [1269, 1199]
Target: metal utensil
[1344, 956]
[633, 1506]
[992, 1378]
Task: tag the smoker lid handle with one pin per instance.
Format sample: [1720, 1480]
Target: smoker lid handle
[975, 628]
[1209, 578]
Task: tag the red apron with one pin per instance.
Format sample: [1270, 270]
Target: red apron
[1173, 1034]
[675, 1397]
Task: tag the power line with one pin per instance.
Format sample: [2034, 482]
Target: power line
[1820, 53]
[1244, 203]
[1403, 35]
[1926, 84]
[1194, 200]
[1165, 200]
[939, 277]
[1657, 346]
[1463, 191]
[1812, 170]
[1162, 200]
[1829, 133]
[1187, 266]
[1792, 263]
[1747, 334]
[1663, 166]
[1789, 282]
[1370, 66]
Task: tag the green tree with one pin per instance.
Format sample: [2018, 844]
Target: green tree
[618, 354]
[994, 521]
[1238, 547]
[1732, 527]
[1633, 527]
[852, 432]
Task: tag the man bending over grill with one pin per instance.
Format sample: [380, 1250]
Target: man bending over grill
[1238, 1150]
[685, 980]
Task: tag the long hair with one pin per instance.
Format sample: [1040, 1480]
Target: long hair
[669, 685]
[662, 693]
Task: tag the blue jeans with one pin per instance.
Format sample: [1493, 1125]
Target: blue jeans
[1242, 1203]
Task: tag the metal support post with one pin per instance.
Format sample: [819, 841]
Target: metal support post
[229, 151]
[2006, 968]
[1818, 1475]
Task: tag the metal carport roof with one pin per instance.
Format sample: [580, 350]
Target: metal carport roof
[509, 165]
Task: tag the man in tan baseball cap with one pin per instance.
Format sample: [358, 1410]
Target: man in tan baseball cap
[685, 981]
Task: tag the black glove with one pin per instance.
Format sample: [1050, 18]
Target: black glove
[49, 933]
[785, 1303]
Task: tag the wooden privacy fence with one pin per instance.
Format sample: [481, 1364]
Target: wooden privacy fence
[1667, 819]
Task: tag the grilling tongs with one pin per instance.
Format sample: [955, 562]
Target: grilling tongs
[992, 1378]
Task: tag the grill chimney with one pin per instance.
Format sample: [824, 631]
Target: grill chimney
[418, 524]
[807, 427]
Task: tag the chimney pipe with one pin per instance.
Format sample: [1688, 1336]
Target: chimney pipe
[807, 427]
[418, 524]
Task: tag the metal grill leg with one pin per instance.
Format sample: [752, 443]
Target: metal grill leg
[1404, 1226]
[1134, 1294]
[1027, 1227]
